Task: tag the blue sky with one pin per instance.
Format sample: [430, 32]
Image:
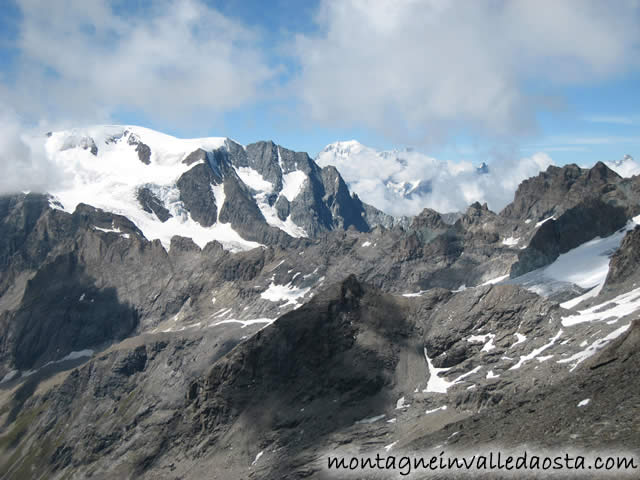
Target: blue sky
[458, 82]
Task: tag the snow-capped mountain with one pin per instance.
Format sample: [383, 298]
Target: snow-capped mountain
[205, 189]
[361, 165]
[403, 182]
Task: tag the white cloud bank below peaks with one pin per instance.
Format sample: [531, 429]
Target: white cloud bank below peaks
[403, 182]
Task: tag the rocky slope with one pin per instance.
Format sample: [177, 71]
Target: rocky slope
[124, 355]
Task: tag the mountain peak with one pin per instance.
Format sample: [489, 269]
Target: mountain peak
[344, 148]
[483, 169]
[345, 143]
[625, 159]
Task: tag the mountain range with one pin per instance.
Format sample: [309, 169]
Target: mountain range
[205, 309]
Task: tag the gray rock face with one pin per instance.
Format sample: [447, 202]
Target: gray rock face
[346, 210]
[549, 415]
[183, 245]
[558, 189]
[500, 309]
[451, 217]
[197, 195]
[428, 219]
[377, 217]
[73, 286]
[102, 258]
[262, 157]
[553, 192]
[19, 215]
[623, 267]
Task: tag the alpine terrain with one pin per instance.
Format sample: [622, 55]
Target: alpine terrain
[187, 309]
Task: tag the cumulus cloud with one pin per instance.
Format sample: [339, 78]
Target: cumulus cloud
[24, 165]
[421, 69]
[404, 182]
[169, 60]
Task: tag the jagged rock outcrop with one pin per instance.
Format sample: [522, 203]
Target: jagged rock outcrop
[558, 189]
[428, 219]
[573, 206]
[143, 150]
[152, 204]
[577, 225]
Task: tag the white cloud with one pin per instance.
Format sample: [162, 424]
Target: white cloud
[557, 141]
[422, 69]
[453, 185]
[554, 148]
[23, 163]
[614, 119]
[82, 60]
